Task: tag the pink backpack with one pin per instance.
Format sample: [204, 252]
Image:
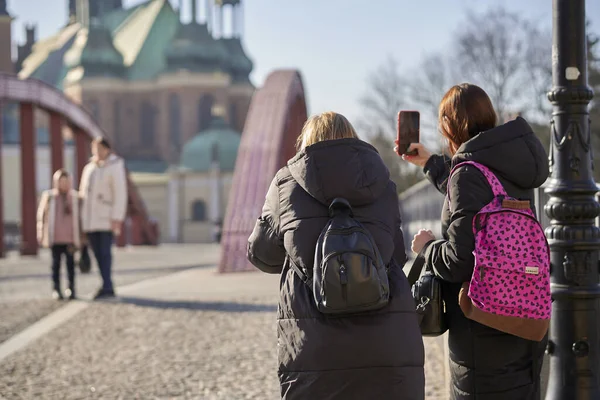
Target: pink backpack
[510, 287]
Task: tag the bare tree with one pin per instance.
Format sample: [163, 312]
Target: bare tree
[538, 69]
[428, 83]
[426, 87]
[496, 50]
[383, 99]
[403, 174]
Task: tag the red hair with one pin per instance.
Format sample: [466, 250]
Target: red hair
[465, 111]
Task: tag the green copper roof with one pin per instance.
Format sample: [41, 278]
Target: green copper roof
[239, 64]
[193, 48]
[146, 166]
[146, 40]
[197, 154]
[99, 57]
[150, 60]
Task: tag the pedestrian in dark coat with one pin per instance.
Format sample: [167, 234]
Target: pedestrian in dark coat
[377, 355]
[485, 364]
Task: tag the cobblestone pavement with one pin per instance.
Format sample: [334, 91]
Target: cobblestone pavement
[29, 278]
[437, 376]
[20, 314]
[25, 284]
[196, 335]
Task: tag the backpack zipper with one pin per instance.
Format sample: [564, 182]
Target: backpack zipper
[339, 253]
[345, 231]
[343, 278]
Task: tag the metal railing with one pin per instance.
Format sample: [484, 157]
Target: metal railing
[421, 208]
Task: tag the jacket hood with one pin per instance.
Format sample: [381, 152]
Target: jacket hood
[512, 151]
[348, 168]
[56, 179]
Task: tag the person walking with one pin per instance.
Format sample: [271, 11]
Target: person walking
[103, 189]
[58, 228]
[485, 364]
[371, 355]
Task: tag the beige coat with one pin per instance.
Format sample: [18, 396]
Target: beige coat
[46, 215]
[103, 189]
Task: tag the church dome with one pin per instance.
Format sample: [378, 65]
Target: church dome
[194, 49]
[217, 141]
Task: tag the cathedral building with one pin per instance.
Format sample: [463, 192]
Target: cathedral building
[149, 79]
[172, 98]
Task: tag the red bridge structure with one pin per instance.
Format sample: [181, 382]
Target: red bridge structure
[31, 94]
[275, 119]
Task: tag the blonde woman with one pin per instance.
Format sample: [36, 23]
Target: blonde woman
[58, 228]
[377, 355]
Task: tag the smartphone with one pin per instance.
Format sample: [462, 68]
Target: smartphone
[408, 131]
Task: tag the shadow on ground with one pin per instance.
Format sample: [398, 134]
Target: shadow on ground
[116, 272]
[198, 305]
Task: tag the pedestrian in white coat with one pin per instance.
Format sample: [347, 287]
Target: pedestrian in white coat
[58, 228]
[103, 188]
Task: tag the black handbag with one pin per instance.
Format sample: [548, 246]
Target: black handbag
[427, 293]
[85, 263]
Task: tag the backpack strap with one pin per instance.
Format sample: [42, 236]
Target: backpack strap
[303, 277]
[417, 266]
[491, 178]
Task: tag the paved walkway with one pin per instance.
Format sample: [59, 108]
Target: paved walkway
[177, 332]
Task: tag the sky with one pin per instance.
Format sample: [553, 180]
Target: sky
[335, 44]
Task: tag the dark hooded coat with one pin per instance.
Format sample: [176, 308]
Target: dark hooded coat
[378, 355]
[485, 364]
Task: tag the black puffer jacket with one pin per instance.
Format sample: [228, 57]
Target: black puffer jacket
[485, 364]
[376, 356]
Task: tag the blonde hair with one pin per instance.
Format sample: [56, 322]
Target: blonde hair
[326, 126]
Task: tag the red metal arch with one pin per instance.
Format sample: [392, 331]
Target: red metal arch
[275, 118]
[30, 93]
[49, 98]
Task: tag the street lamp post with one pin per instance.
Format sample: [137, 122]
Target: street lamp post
[574, 345]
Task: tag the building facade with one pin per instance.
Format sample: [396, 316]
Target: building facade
[172, 98]
[149, 79]
[190, 199]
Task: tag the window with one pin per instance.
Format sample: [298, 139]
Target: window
[147, 124]
[175, 122]
[199, 210]
[205, 106]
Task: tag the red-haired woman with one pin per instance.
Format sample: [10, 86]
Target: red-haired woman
[486, 364]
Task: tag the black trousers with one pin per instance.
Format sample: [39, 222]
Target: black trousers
[101, 243]
[57, 252]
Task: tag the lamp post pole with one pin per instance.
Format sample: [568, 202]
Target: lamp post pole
[574, 345]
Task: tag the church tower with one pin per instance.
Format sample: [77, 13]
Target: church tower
[86, 10]
[6, 64]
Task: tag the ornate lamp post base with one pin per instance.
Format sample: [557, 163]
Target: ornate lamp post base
[574, 345]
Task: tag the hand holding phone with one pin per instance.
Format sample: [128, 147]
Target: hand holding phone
[408, 131]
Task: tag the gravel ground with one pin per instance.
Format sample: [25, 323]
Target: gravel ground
[124, 351]
[18, 315]
[190, 335]
[163, 350]
[28, 278]
[436, 369]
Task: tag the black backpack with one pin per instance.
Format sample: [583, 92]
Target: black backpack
[349, 275]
